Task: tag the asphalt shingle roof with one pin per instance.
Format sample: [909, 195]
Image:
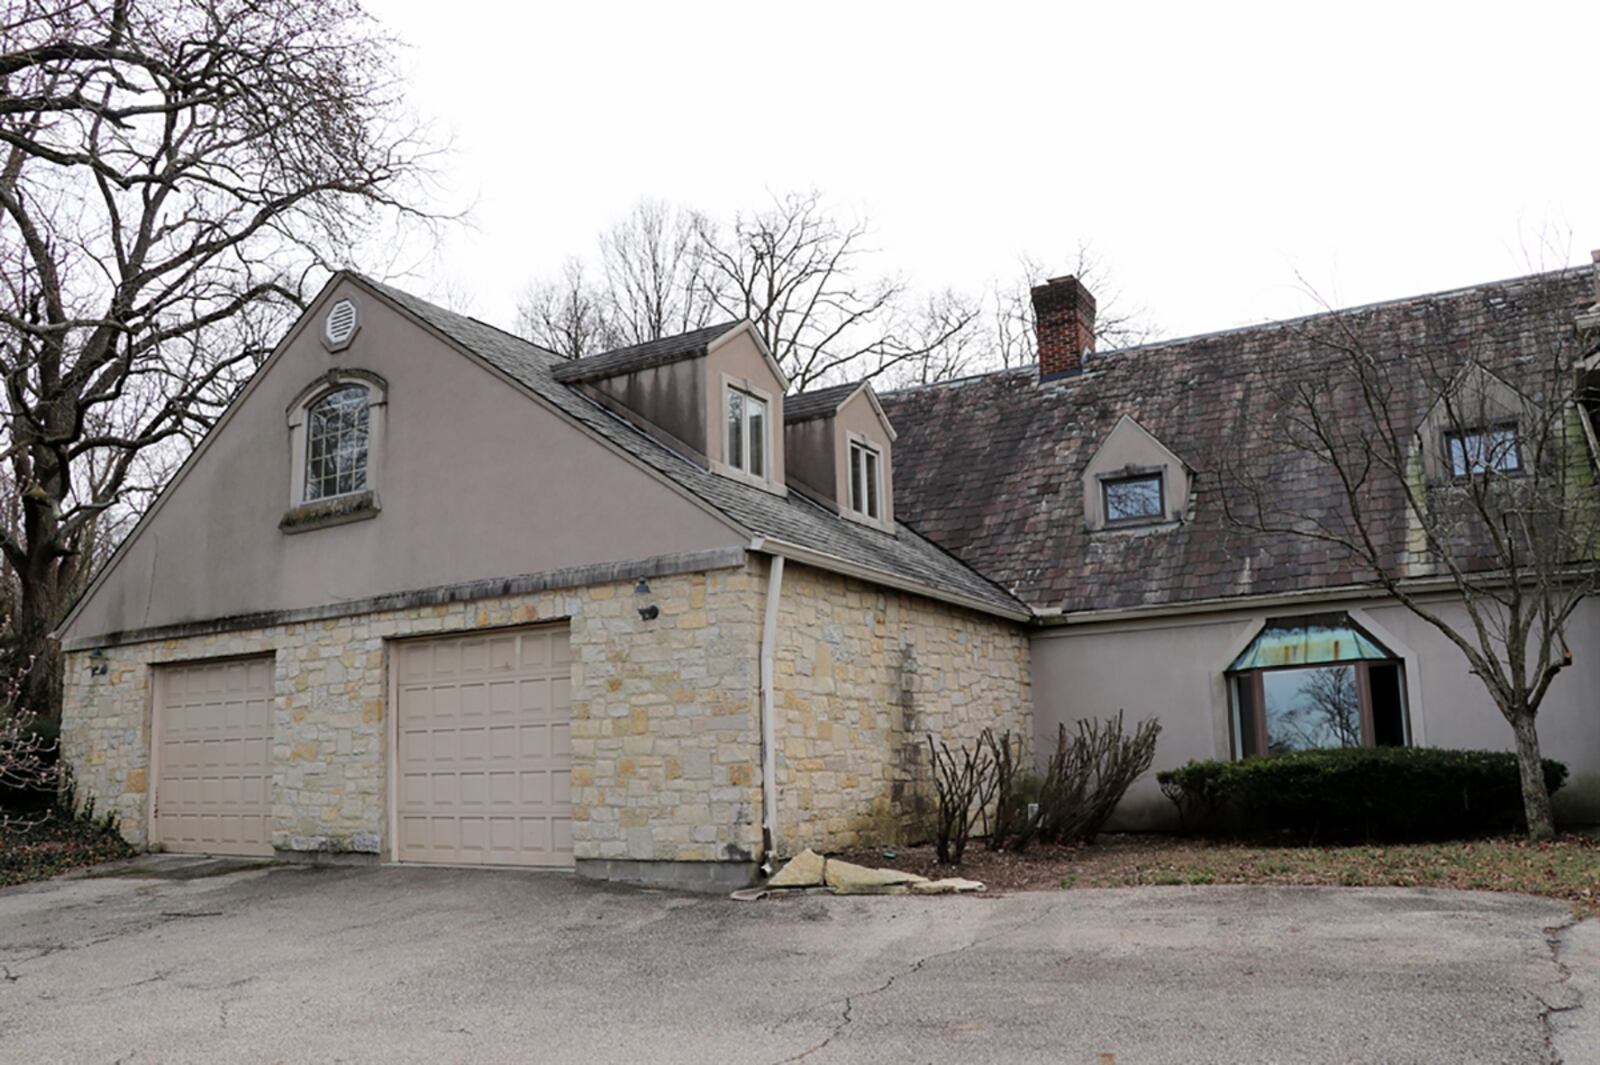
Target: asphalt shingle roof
[991, 467]
[791, 518]
[641, 356]
[818, 403]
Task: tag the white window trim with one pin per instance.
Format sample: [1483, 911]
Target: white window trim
[854, 440]
[721, 464]
[299, 411]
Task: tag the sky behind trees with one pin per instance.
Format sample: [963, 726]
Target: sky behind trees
[1217, 160]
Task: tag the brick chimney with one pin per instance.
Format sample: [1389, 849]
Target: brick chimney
[1063, 312]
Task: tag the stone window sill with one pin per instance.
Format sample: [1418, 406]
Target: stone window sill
[321, 514]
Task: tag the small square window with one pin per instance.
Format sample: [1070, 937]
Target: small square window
[1133, 500]
[866, 480]
[1478, 451]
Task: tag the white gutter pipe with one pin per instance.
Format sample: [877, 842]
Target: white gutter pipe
[769, 756]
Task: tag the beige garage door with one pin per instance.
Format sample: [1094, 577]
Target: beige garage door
[214, 756]
[485, 748]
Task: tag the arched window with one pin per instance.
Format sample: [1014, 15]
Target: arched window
[337, 444]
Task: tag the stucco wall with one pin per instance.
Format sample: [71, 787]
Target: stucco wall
[863, 674]
[808, 452]
[464, 451]
[1172, 669]
[665, 741]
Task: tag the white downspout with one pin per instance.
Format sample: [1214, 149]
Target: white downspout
[769, 756]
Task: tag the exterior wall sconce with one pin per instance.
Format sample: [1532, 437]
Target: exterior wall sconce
[646, 613]
[97, 662]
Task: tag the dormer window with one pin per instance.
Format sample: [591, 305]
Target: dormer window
[1133, 500]
[1134, 481]
[866, 480]
[1474, 452]
[747, 445]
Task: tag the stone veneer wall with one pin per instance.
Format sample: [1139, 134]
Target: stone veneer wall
[665, 733]
[864, 673]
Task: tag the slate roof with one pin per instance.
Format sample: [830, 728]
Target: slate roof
[818, 403]
[793, 518]
[991, 467]
[641, 356]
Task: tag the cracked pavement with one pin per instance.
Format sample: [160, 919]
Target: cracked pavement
[395, 965]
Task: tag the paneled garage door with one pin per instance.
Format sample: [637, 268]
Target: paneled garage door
[485, 749]
[214, 756]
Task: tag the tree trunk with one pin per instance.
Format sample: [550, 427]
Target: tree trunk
[1535, 796]
[37, 656]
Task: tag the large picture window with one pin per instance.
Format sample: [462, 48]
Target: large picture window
[1313, 682]
[336, 444]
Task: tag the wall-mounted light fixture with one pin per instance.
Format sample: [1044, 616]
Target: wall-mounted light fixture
[646, 613]
[97, 662]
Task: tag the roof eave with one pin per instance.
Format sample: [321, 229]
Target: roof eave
[807, 556]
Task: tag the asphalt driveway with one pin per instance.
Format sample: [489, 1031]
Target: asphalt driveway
[396, 965]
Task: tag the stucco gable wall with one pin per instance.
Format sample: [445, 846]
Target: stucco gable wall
[738, 362]
[477, 481]
[857, 417]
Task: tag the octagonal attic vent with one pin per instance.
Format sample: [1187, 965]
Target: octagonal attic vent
[340, 326]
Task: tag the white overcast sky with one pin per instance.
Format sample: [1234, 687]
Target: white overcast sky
[1209, 153]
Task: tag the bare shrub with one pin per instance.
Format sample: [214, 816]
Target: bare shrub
[965, 781]
[1013, 824]
[30, 772]
[1089, 773]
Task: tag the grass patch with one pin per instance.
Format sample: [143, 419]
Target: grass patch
[56, 845]
[1567, 868]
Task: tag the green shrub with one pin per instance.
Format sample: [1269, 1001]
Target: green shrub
[1358, 793]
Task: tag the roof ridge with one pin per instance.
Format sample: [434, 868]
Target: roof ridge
[721, 327]
[1273, 323]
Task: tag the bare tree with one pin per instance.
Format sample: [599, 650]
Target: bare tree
[652, 283]
[656, 277]
[944, 336]
[566, 315]
[1012, 335]
[802, 277]
[806, 278]
[1455, 456]
[174, 174]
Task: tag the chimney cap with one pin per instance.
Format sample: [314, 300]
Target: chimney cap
[1064, 291]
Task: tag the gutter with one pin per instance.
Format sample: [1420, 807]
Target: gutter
[833, 563]
[1055, 617]
[769, 756]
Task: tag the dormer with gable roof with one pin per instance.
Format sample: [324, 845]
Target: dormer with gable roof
[715, 393]
[839, 442]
